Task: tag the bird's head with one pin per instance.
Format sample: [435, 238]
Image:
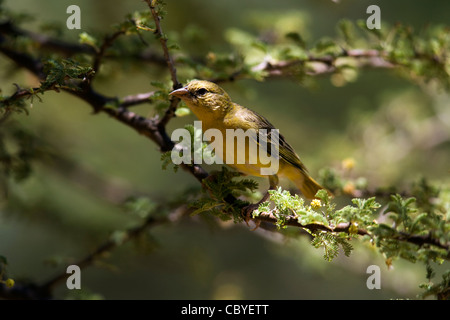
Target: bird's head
[204, 97]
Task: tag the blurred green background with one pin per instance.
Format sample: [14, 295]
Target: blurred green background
[382, 121]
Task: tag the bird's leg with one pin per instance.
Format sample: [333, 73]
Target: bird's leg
[248, 210]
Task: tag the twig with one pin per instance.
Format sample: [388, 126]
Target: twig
[344, 227]
[170, 112]
[293, 221]
[153, 129]
[55, 45]
[136, 99]
[111, 243]
[68, 49]
[107, 42]
[163, 40]
[44, 291]
[315, 65]
[104, 248]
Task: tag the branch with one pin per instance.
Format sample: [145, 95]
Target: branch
[163, 40]
[293, 221]
[35, 66]
[100, 252]
[55, 45]
[68, 49]
[150, 128]
[315, 65]
[344, 227]
[136, 99]
[31, 291]
[154, 130]
[170, 112]
[107, 42]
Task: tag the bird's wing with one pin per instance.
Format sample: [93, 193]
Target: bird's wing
[285, 150]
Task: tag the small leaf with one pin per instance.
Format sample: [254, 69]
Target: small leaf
[182, 111]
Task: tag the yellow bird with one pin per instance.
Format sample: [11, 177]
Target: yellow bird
[214, 108]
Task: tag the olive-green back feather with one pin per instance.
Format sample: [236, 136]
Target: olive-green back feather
[285, 150]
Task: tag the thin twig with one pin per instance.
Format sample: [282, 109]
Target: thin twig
[104, 248]
[344, 227]
[153, 129]
[163, 40]
[314, 65]
[136, 99]
[170, 112]
[107, 42]
[112, 243]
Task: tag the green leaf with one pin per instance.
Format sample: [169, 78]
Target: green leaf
[297, 39]
[346, 29]
[182, 111]
[140, 206]
[85, 38]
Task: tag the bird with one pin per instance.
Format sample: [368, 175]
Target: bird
[215, 109]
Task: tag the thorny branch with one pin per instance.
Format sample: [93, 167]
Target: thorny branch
[316, 65]
[170, 112]
[155, 128]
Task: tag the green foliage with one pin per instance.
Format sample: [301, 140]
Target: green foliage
[10, 105]
[166, 160]
[427, 229]
[421, 56]
[142, 206]
[361, 213]
[318, 213]
[60, 71]
[136, 21]
[413, 225]
[19, 148]
[409, 237]
[193, 148]
[440, 290]
[222, 188]
[330, 242]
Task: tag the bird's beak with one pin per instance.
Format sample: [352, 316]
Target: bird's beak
[180, 93]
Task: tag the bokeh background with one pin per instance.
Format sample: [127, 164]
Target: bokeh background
[383, 121]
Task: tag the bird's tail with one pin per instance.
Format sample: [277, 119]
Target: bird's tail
[307, 185]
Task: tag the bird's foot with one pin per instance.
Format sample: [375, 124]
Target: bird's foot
[247, 211]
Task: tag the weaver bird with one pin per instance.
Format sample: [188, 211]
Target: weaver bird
[214, 107]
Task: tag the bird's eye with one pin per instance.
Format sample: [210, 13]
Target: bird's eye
[201, 91]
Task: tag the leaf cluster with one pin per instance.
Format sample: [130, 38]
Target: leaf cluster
[223, 187]
[418, 55]
[61, 72]
[415, 228]
[19, 148]
[318, 213]
[414, 234]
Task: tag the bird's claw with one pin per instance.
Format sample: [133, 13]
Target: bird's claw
[247, 212]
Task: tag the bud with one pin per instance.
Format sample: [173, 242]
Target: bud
[9, 283]
[316, 204]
